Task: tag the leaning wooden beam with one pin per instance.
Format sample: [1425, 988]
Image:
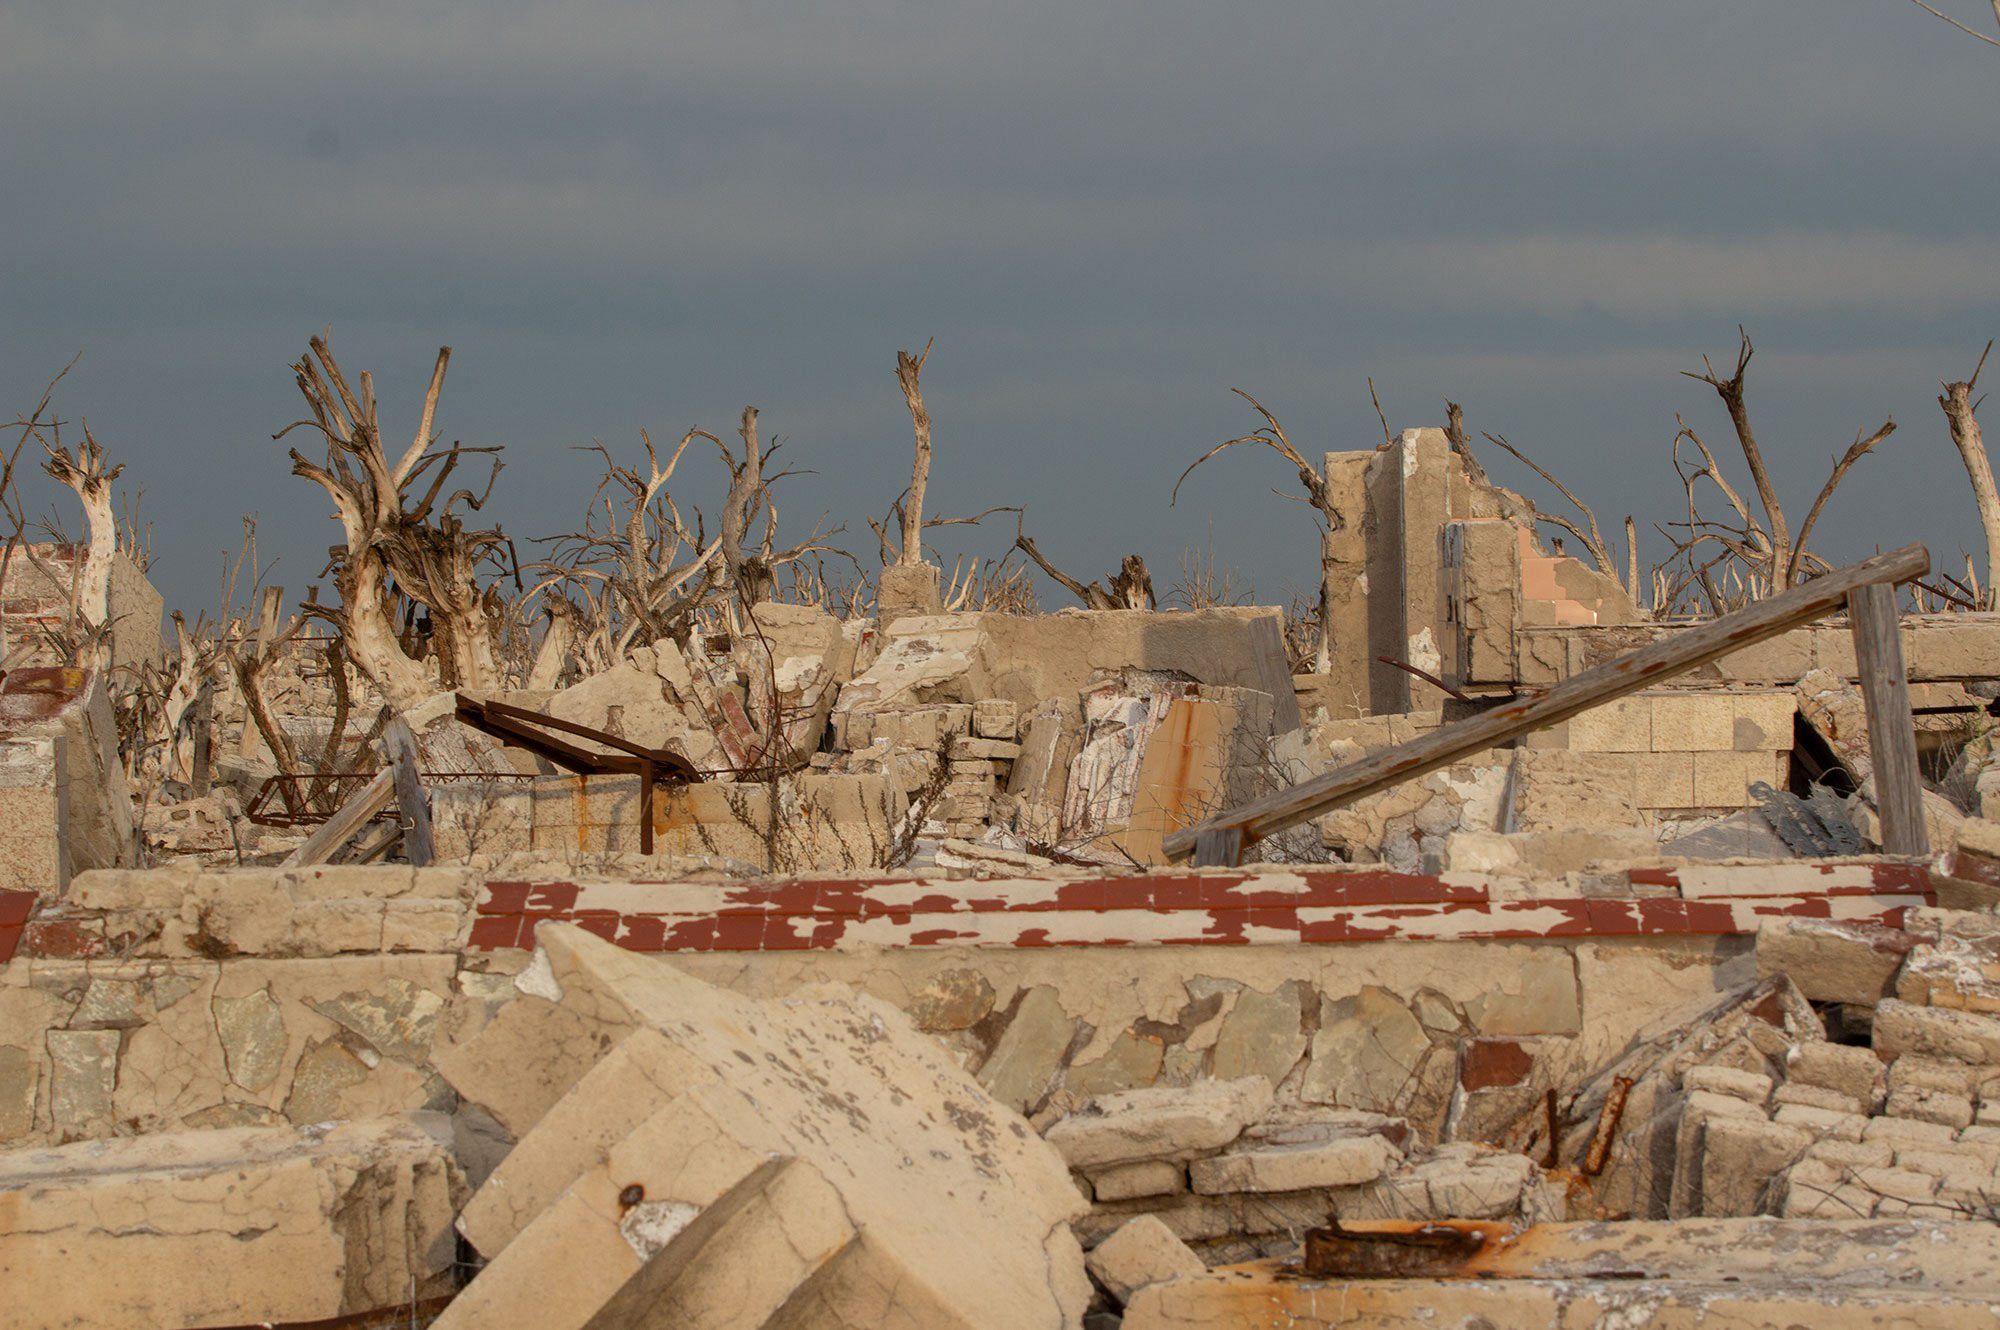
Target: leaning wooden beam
[399, 746]
[1892, 735]
[349, 818]
[1674, 654]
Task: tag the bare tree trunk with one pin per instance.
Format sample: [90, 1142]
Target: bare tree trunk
[907, 370]
[1632, 563]
[553, 652]
[1730, 390]
[90, 479]
[371, 638]
[1957, 403]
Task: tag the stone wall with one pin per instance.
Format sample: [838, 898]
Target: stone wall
[64, 804]
[831, 822]
[148, 1001]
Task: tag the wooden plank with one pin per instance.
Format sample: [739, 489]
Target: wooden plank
[399, 747]
[349, 818]
[373, 848]
[1219, 847]
[1674, 654]
[1892, 736]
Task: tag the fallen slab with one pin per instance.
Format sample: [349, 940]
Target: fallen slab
[245, 1226]
[711, 1160]
[1712, 1272]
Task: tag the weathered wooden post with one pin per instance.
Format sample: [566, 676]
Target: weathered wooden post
[1892, 736]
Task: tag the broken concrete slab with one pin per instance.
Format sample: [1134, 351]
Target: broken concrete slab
[1712, 1272]
[230, 1227]
[1833, 960]
[1294, 1166]
[691, 1100]
[1162, 1122]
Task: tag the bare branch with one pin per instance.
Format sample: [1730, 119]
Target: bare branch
[1857, 450]
[1974, 32]
[1592, 540]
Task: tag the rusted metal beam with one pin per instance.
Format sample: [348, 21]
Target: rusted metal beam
[520, 728]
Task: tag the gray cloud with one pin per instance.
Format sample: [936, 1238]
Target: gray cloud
[626, 215]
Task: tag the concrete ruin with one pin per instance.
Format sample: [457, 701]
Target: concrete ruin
[813, 966]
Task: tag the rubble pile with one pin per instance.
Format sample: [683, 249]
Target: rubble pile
[726, 950]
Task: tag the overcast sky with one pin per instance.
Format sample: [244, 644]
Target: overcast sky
[626, 215]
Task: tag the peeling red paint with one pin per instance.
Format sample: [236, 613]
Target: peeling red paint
[1162, 909]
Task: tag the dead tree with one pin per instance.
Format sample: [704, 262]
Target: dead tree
[1131, 586]
[1771, 557]
[87, 474]
[1964, 425]
[908, 368]
[398, 538]
[640, 570]
[1272, 435]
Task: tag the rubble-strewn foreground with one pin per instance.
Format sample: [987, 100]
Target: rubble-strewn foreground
[1501, 941]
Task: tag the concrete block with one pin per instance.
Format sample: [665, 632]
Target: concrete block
[1762, 722]
[1827, 1123]
[1854, 1072]
[1665, 780]
[1906, 1131]
[995, 718]
[1151, 1177]
[1962, 1036]
[1748, 1086]
[1723, 780]
[1814, 1096]
[1929, 1105]
[1621, 726]
[1833, 960]
[1693, 722]
[1143, 1251]
[1740, 1160]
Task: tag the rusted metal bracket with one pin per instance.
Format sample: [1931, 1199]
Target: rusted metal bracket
[517, 727]
[1398, 1249]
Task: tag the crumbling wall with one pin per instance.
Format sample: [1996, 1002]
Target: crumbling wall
[63, 795]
